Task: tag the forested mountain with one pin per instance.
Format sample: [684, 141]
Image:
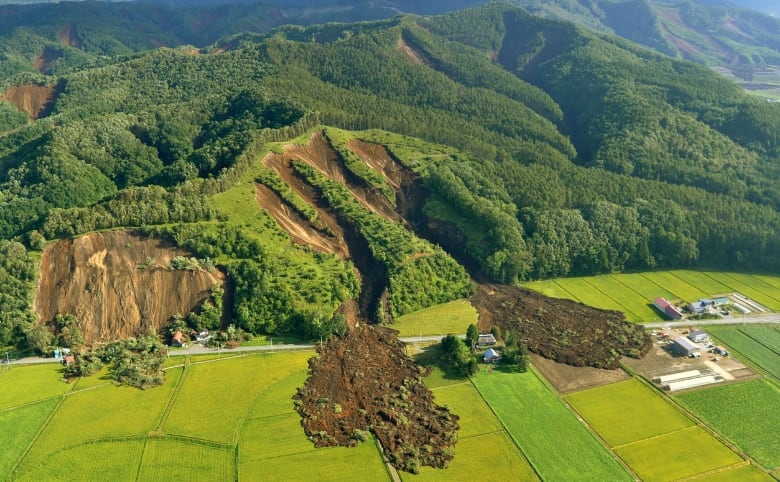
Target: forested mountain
[524, 147]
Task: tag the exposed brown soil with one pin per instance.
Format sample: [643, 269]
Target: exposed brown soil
[365, 382]
[68, 36]
[48, 57]
[35, 100]
[299, 228]
[413, 55]
[568, 379]
[561, 330]
[97, 279]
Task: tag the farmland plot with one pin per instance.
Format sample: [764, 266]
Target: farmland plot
[746, 473]
[745, 413]
[98, 462]
[754, 288]
[25, 384]
[169, 460]
[104, 412]
[555, 442]
[650, 434]
[206, 390]
[452, 317]
[627, 411]
[679, 287]
[757, 353]
[676, 455]
[18, 428]
[710, 283]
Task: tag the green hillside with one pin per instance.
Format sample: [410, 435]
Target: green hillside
[535, 149]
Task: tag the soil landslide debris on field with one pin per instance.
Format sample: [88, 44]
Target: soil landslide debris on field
[561, 330]
[365, 382]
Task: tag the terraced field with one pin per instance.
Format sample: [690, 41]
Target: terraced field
[633, 293]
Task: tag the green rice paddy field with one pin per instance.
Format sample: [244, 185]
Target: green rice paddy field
[652, 436]
[759, 344]
[212, 420]
[633, 293]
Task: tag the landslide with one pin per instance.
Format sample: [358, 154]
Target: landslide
[561, 330]
[333, 232]
[365, 382]
[102, 279]
[35, 100]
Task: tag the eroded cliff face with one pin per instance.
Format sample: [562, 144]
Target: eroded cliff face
[104, 281]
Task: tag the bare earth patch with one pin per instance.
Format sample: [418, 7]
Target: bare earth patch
[567, 379]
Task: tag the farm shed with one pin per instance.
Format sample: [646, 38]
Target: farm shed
[665, 307]
[491, 355]
[698, 336]
[674, 377]
[692, 382]
[684, 346]
[178, 339]
[486, 340]
[723, 300]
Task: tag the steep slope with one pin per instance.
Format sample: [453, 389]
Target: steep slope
[118, 284]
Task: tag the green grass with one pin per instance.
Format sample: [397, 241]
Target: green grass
[492, 456]
[675, 455]
[453, 317]
[170, 460]
[756, 353]
[767, 335]
[221, 388]
[550, 436]
[359, 464]
[748, 414]
[98, 462]
[18, 428]
[104, 412]
[276, 399]
[633, 293]
[627, 411]
[25, 384]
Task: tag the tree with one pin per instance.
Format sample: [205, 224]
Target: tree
[39, 338]
[472, 336]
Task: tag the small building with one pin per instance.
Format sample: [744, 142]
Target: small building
[203, 337]
[665, 307]
[698, 336]
[178, 339]
[723, 300]
[68, 360]
[684, 346]
[486, 339]
[701, 306]
[491, 356]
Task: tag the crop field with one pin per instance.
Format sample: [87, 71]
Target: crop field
[19, 428]
[475, 416]
[605, 410]
[191, 462]
[737, 411]
[21, 385]
[633, 293]
[749, 341]
[652, 436]
[745, 473]
[676, 455]
[453, 317]
[109, 460]
[558, 445]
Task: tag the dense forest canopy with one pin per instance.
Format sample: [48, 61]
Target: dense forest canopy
[543, 150]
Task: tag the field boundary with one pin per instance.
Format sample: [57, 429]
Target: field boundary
[509, 433]
[174, 396]
[585, 422]
[45, 424]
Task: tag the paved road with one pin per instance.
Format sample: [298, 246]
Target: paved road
[202, 350]
[736, 320]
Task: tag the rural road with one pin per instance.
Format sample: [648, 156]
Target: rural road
[202, 350]
[740, 320]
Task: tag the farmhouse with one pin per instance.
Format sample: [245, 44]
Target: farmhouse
[178, 339]
[665, 307]
[701, 306]
[491, 356]
[698, 336]
[684, 346]
[486, 340]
